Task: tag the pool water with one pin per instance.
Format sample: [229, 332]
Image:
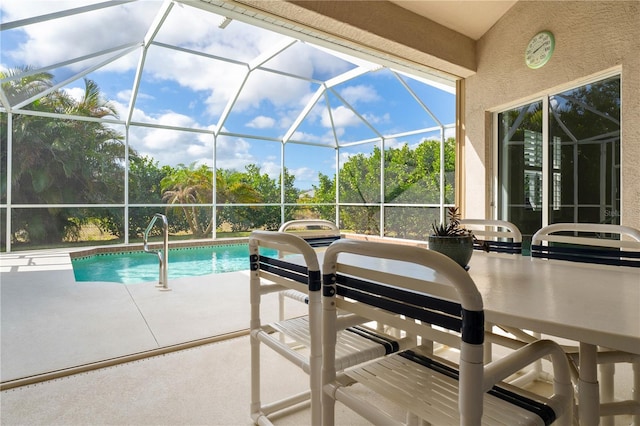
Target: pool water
[134, 267]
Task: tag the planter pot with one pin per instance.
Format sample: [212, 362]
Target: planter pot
[458, 248]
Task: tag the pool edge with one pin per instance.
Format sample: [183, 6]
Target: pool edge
[155, 246]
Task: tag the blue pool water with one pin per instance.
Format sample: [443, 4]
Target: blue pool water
[134, 267]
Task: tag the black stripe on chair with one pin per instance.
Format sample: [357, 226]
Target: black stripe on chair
[321, 241]
[284, 269]
[419, 306]
[602, 256]
[389, 345]
[542, 410]
[498, 246]
[405, 296]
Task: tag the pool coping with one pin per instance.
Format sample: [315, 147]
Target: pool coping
[139, 247]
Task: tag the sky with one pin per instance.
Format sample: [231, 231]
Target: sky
[194, 70]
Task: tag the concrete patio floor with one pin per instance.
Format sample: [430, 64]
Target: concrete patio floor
[139, 355]
[51, 322]
[106, 334]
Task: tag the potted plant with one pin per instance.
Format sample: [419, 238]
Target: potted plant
[451, 239]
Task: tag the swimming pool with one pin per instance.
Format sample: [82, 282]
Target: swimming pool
[136, 266]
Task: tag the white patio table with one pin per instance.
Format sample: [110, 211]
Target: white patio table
[591, 304]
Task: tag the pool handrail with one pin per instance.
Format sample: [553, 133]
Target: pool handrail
[163, 255]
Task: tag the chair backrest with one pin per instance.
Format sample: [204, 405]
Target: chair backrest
[302, 276]
[605, 244]
[498, 236]
[269, 274]
[422, 285]
[316, 232]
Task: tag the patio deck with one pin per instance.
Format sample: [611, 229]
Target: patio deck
[107, 334]
[50, 323]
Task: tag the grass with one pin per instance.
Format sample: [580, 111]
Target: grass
[94, 237]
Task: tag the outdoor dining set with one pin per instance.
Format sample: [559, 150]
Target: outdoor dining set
[403, 326]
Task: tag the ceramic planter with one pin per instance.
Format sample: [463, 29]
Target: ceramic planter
[458, 248]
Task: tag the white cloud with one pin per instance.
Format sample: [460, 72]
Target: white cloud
[393, 143]
[171, 147]
[271, 168]
[48, 42]
[125, 96]
[75, 93]
[360, 94]
[342, 117]
[449, 133]
[345, 156]
[233, 153]
[326, 139]
[261, 122]
[281, 92]
[377, 119]
[305, 176]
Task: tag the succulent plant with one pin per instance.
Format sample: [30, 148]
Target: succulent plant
[452, 228]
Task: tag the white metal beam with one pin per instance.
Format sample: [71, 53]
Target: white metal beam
[364, 120]
[231, 103]
[61, 14]
[75, 77]
[69, 62]
[417, 98]
[269, 54]
[155, 26]
[303, 114]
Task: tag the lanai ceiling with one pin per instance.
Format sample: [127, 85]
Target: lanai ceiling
[472, 18]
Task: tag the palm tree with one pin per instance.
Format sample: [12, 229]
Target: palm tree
[57, 161]
[233, 187]
[21, 83]
[230, 188]
[190, 185]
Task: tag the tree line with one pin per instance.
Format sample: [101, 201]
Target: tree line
[59, 162]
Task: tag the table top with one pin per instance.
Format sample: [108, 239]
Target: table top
[588, 303]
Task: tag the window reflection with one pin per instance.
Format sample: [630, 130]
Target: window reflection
[582, 156]
[584, 126]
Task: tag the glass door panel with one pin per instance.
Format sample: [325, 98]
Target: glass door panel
[576, 176]
[584, 138]
[520, 168]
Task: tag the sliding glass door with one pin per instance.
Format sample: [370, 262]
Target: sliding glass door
[559, 158]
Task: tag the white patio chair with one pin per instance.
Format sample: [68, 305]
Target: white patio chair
[602, 244]
[428, 289]
[501, 236]
[319, 234]
[587, 243]
[292, 337]
[498, 236]
[316, 232]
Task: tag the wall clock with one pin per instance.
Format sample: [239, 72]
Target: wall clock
[539, 49]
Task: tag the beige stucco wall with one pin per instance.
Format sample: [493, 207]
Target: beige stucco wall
[591, 37]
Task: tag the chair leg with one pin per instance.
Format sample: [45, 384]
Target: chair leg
[488, 353]
[255, 379]
[635, 393]
[607, 372]
[588, 390]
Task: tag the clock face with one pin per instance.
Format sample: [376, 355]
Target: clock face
[539, 49]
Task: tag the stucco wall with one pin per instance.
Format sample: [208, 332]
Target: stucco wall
[591, 37]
